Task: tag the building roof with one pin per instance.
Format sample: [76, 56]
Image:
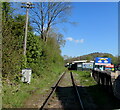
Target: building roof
[80, 61]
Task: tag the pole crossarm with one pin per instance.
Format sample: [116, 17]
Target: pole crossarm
[27, 5]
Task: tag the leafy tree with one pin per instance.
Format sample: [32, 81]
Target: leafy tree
[41, 56]
[34, 52]
[57, 36]
[12, 32]
[6, 11]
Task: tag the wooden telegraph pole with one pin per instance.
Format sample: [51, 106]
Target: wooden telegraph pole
[26, 5]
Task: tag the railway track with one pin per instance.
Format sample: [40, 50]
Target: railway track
[64, 95]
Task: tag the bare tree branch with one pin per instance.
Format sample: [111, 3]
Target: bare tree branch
[46, 14]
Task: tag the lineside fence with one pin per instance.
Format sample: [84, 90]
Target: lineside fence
[108, 80]
[104, 79]
[116, 86]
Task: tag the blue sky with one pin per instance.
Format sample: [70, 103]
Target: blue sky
[96, 29]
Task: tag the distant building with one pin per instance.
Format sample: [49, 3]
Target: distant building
[81, 65]
[80, 61]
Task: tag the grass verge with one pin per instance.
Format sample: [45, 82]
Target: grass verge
[85, 78]
[15, 93]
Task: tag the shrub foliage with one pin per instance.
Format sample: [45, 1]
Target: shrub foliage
[41, 56]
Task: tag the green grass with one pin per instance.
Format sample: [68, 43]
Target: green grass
[85, 78]
[14, 95]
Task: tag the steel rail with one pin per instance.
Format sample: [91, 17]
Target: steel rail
[76, 89]
[51, 93]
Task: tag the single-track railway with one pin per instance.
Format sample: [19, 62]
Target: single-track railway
[64, 95]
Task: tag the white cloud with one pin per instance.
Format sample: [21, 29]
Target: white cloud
[81, 40]
[74, 40]
[69, 39]
[77, 41]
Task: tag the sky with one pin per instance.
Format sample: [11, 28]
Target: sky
[96, 29]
